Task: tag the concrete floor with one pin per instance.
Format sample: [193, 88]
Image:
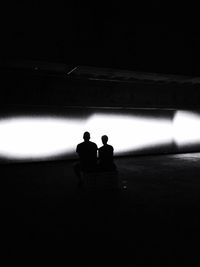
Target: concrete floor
[153, 218]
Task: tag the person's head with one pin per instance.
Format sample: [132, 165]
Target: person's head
[86, 136]
[104, 139]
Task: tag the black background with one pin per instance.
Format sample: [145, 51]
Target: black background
[45, 215]
[146, 37]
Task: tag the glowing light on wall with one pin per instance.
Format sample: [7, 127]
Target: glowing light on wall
[34, 137]
[42, 137]
[186, 127]
[130, 133]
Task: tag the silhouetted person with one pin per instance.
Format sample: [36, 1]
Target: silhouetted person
[87, 152]
[106, 156]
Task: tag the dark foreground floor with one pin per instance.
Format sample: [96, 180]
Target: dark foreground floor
[155, 219]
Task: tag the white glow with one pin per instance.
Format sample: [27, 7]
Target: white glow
[186, 127]
[37, 137]
[129, 133]
[40, 137]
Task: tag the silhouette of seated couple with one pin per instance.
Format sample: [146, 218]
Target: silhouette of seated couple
[88, 160]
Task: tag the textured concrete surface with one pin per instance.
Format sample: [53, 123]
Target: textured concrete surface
[154, 217]
[34, 88]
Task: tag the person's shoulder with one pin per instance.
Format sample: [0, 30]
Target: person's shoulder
[80, 145]
[93, 144]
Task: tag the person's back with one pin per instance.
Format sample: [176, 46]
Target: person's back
[106, 156]
[87, 152]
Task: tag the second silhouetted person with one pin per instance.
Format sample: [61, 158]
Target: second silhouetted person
[106, 156]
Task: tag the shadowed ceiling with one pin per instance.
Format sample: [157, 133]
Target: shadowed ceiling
[100, 36]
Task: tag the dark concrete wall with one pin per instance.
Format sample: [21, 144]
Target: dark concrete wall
[59, 90]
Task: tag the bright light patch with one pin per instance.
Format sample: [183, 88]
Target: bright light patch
[37, 137]
[43, 137]
[129, 133]
[186, 127]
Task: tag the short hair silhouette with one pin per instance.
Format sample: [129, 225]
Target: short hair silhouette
[87, 152]
[86, 136]
[106, 156]
[104, 139]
